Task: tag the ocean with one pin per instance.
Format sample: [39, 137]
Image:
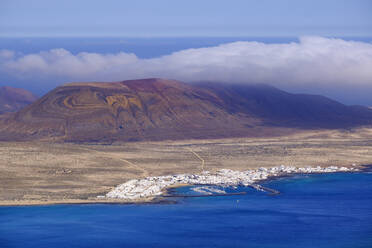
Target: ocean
[151, 47]
[143, 48]
[317, 210]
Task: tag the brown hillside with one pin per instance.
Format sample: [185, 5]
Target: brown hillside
[158, 109]
[131, 110]
[13, 99]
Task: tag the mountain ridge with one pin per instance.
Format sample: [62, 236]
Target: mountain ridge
[159, 109]
[14, 99]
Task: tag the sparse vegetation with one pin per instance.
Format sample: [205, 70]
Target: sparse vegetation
[46, 172]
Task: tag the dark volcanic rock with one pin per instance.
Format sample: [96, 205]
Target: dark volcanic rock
[158, 109]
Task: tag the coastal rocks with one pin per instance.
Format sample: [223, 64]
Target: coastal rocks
[154, 186]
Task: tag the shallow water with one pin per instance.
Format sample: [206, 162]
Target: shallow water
[328, 210]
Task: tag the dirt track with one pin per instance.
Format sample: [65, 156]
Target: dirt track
[47, 172]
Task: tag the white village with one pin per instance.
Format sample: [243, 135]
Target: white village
[156, 186]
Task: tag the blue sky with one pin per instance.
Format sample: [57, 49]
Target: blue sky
[185, 18]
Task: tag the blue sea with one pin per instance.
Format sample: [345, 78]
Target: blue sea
[319, 210]
[142, 47]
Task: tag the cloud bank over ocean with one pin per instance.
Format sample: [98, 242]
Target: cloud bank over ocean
[311, 61]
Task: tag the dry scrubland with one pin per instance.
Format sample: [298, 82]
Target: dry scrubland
[38, 172]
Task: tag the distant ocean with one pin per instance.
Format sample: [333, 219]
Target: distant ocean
[318, 210]
[142, 47]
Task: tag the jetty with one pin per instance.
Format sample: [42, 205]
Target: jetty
[265, 189]
[156, 186]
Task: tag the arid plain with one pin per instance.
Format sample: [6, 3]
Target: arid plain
[44, 173]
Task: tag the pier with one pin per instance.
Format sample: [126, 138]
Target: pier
[155, 186]
[265, 189]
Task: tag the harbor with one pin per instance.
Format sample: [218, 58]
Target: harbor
[157, 186]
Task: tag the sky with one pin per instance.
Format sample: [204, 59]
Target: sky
[324, 55]
[149, 18]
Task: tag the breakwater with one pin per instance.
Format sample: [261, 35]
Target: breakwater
[155, 186]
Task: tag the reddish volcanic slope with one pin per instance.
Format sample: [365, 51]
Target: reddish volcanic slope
[13, 99]
[159, 109]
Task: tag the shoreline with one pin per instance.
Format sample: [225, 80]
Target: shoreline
[359, 168]
[20, 203]
[46, 173]
[157, 186]
[155, 199]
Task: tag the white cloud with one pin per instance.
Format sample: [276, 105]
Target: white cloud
[313, 60]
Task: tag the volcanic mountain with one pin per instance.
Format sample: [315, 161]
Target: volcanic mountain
[159, 109]
[13, 99]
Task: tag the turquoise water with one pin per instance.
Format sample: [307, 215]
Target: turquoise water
[328, 210]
